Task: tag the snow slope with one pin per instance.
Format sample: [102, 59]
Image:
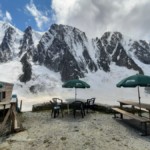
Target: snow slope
[49, 85]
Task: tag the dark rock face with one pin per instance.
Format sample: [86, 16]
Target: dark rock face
[39, 55]
[142, 51]
[90, 63]
[57, 55]
[27, 69]
[103, 58]
[122, 59]
[5, 47]
[112, 50]
[54, 54]
[26, 42]
[59, 59]
[69, 68]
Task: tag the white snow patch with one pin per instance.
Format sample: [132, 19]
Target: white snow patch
[103, 87]
[36, 37]
[10, 71]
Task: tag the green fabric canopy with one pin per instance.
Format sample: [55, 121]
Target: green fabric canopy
[75, 84]
[135, 81]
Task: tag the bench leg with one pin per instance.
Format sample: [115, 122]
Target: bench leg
[145, 128]
[121, 116]
[115, 115]
[133, 109]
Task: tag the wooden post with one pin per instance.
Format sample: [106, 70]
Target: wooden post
[13, 117]
[4, 110]
[20, 105]
[12, 114]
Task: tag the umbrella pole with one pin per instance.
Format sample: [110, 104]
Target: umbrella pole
[139, 99]
[75, 94]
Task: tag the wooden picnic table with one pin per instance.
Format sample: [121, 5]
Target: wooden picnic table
[142, 119]
[136, 104]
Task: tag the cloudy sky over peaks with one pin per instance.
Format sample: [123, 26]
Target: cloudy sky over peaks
[131, 17]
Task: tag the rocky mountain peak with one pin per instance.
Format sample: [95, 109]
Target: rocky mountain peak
[70, 52]
[28, 29]
[111, 49]
[141, 50]
[26, 43]
[6, 46]
[5, 25]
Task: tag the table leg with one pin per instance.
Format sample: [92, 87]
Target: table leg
[133, 109]
[121, 105]
[4, 111]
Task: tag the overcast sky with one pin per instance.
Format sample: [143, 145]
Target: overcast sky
[131, 17]
[97, 16]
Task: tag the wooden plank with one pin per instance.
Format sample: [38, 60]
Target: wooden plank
[16, 124]
[5, 103]
[20, 106]
[133, 103]
[128, 102]
[141, 119]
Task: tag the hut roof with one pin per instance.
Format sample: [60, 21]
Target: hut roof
[1, 82]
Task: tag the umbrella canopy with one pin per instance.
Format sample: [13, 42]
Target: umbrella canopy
[75, 84]
[135, 81]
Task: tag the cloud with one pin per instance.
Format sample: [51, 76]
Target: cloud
[39, 16]
[5, 17]
[62, 8]
[131, 17]
[8, 17]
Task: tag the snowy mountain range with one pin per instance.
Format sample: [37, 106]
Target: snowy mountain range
[38, 62]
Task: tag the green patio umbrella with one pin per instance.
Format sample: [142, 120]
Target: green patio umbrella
[137, 80]
[75, 84]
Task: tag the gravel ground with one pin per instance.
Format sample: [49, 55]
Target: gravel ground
[96, 131]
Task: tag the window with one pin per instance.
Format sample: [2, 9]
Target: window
[3, 94]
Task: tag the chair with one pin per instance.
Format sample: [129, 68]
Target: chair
[57, 106]
[78, 105]
[90, 104]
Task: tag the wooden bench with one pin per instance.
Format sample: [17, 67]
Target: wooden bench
[142, 120]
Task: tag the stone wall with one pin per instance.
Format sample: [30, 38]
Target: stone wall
[47, 106]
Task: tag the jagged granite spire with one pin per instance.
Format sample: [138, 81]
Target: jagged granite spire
[70, 52]
[26, 43]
